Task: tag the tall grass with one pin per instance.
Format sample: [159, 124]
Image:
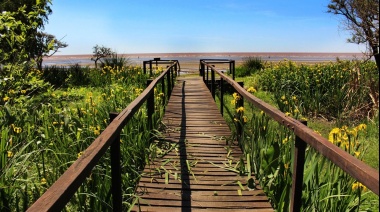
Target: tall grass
[343, 90]
[251, 65]
[270, 146]
[43, 133]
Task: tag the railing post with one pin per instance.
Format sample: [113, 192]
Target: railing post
[298, 169]
[200, 68]
[117, 198]
[221, 95]
[230, 67]
[208, 86]
[144, 67]
[203, 71]
[169, 84]
[151, 68]
[163, 90]
[233, 70]
[176, 70]
[150, 106]
[213, 84]
[173, 76]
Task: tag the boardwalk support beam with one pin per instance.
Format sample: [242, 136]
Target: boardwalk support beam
[298, 168]
[117, 198]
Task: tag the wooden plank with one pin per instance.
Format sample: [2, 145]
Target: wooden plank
[180, 209]
[198, 172]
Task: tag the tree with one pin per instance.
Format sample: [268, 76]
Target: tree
[46, 46]
[20, 22]
[361, 18]
[101, 52]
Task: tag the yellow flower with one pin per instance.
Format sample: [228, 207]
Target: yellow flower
[9, 154]
[352, 132]
[240, 110]
[97, 130]
[17, 130]
[296, 111]
[357, 153]
[288, 114]
[285, 140]
[334, 135]
[236, 96]
[283, 97]
[79, 154]
[236, 120]
[55, 122]
[245, 119]
[361, 127]
[286, 165]
[5, 99]
[294, 98]
[358, 185]
[43, 181]
[251, 90]
[23, 91]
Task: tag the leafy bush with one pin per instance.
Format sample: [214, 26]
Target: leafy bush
[250, 66]
[115, 62]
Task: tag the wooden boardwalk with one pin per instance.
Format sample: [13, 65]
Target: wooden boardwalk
[193, 168]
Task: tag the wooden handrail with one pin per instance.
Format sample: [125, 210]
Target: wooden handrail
[59, 194]
[362, 172]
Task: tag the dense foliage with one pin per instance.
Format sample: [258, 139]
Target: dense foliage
[44, 132]
[343, 91]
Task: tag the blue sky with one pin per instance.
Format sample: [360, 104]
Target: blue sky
[167, 26]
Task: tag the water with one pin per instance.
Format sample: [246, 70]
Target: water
[192, 59]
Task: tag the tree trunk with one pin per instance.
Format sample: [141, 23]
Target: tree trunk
[377, 59]
[376, 54]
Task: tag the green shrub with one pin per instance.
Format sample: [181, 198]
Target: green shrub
[250, 66]
[115, 62]
[57, 76]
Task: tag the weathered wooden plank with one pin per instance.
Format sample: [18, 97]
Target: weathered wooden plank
[199, 171]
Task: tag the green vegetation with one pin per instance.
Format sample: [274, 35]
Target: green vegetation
[45, 129]
[340, 101]
[250, 66]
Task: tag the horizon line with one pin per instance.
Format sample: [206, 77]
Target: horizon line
[225, 53]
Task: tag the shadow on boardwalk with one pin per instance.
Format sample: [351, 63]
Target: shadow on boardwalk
[193, 168]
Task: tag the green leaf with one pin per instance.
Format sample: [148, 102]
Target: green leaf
[166, 178]
[240, 185]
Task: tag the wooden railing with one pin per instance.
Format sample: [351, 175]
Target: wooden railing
[59, 194]
[304, 135]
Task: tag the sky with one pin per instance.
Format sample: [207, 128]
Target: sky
[178, 26]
